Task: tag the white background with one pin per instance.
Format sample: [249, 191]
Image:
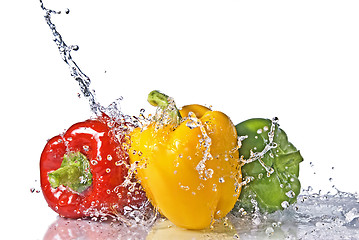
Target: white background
[297, 60]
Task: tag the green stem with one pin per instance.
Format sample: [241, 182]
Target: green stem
[161, 100]
[74, 173]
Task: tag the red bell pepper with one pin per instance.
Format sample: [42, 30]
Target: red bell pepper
[82, 172]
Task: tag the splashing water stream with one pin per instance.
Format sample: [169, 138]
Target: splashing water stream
[314, 216]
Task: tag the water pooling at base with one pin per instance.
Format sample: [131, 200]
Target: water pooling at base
[314, 216]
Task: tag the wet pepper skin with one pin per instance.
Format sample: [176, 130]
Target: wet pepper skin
[94, 140]
[169, 157]
[282, 187]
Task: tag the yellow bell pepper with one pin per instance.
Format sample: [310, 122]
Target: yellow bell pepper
[189, 167]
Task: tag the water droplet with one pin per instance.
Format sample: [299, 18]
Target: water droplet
[109, 157]
[221, 180]
[86, 148]
[208, 173]
[284, 204]
[74, 47]
[259, 131]
[94, 162]
[269, 231]
[108, 170]
[273, 145]
[186, 188]
[290, 194]
[214, 189]
[275, 120]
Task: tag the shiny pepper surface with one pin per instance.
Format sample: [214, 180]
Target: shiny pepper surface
[82, 171]
[274, 190]
[190, 171]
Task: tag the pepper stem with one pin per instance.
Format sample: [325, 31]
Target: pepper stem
[166, 103]
[74, 173]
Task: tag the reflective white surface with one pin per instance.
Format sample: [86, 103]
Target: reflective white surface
[294, 60]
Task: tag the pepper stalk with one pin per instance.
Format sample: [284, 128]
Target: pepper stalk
[74, 173]
[166, 104]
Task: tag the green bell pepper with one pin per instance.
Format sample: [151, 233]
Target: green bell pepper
[271, 168]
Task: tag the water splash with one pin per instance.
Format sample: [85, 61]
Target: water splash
[65, 53]
[314, 216]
